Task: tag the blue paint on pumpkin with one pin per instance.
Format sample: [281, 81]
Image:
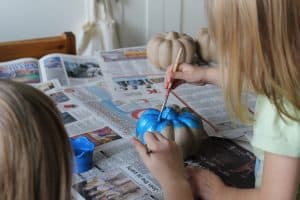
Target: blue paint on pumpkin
[169, 113]
[148, 122]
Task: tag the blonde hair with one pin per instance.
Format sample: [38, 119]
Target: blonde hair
[35, 153]
[258, 45]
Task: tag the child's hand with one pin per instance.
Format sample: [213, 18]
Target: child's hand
[205, 184]
[163, 158]
[185, 73]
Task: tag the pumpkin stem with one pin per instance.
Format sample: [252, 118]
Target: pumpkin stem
[172, 36]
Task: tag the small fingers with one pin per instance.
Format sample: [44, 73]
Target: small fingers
[160, 137]
[141, 149]
[152, 141]
[172, 75]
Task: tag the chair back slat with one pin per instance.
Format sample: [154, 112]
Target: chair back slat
[37, 48]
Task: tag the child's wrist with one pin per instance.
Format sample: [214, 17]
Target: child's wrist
[173, 184]
[179, 188]
[211, 75]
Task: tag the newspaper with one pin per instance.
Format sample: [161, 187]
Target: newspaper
[108, 123]
[119, 109]
[127, 62]
[49, 86]
[105, 110]
[208, 102]
[128, 80]
[120, 157]
[108, 120]
[76, 117]
[22, 70]
[67, 69]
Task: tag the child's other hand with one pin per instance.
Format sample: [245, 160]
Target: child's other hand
[205, 184]
[185, 73]
[163, 158]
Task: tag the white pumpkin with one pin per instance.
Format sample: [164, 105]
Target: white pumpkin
[206, 48]
[163, 48]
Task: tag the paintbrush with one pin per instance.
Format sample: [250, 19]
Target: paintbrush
[174, 69]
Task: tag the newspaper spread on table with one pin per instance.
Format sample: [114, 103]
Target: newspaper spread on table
[24, 70]
[67, 69]
[105, 110]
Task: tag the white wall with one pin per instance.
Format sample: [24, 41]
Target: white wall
[141, 19]
[22, 19]
[138, 19]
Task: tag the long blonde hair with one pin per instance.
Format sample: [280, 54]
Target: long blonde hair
[258, 45]
[35, 153]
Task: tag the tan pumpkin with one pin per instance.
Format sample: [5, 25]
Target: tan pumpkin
[206, 48]
[162, 49]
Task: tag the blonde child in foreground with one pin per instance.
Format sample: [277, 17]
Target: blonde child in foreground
[35, 154]
[259, 50]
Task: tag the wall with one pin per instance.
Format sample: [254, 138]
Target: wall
[141, 19]
[23, 19]
[138, 20]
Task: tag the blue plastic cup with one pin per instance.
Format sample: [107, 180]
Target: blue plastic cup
[83, 151]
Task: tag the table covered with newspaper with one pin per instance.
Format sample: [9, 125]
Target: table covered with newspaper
[107, 101]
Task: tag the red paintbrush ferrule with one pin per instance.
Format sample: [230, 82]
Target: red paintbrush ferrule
[69, 106]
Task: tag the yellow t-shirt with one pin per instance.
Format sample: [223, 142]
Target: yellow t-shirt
[273, 134]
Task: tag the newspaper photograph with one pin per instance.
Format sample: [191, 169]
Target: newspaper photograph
[49, 86]
[52, 68]
[109, 185]
[126, 54]
[25, 70]
[101, 136]
[137, 85]
[82, 69]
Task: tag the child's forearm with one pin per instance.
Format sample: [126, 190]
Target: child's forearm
[213, 76]
[178, 190]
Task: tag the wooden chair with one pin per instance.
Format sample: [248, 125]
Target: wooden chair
[36, 48]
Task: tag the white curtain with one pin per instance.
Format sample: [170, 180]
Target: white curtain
[100, 31]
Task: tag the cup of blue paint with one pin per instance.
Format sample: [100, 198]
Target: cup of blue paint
[83, 150]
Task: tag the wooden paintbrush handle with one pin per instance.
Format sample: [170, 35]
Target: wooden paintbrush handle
[175, 67]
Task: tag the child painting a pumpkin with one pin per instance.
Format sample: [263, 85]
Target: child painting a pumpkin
[35, 153]
[258, 45]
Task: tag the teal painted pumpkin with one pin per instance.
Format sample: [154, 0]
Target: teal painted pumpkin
[178, 124]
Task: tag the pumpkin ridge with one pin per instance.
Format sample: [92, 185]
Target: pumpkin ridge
[177, 123]
[161, 49]
[188, 50]
[165, 59]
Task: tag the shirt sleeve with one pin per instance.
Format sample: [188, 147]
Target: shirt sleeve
[275, 134]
